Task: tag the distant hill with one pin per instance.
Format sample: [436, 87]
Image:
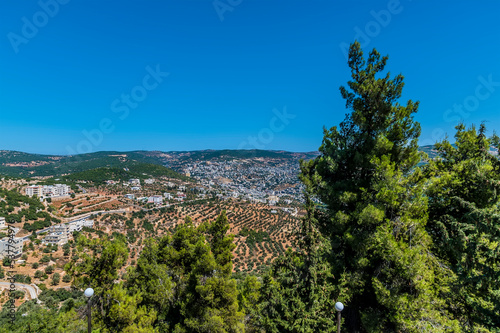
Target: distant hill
[241, 154]
[429, 150]
[133, 170]
[19, 164]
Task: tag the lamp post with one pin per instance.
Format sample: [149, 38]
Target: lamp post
[88, 293]
[339, 307]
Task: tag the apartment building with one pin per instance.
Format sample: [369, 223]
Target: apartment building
[156, 199]
[12, 247]
[34, 191]
[58, 234]
[48, 191]
[78, 225]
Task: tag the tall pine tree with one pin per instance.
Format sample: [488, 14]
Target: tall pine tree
[375, 208]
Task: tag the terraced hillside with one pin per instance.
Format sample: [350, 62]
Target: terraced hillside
[261, 233]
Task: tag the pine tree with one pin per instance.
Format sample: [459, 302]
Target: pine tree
[375, 208]
[298, 294]
[191, 289]
[221, 243]
[464, 220]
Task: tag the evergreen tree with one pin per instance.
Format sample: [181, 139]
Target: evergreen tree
[464, 220]
[375, 208]
[298, 294]
[248, 299]
[113, 308]
[221, 243]
[196, 292]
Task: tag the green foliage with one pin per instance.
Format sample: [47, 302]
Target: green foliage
[22, 278]
[33, 317]
[6, 261]
[45, 259]
[464, 221]
[99, 176]
[298, 293]
[28, 207]
[17, 294]
[221, 243]
[376, 208]
[181, 279]
[254, 236]
[56, 278]
[49, 269]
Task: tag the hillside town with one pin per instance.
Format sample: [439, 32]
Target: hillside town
[265, 180]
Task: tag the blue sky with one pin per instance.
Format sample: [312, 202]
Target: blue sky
[79, 76]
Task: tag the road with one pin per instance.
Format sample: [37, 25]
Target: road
[32, 291]
[82, 189]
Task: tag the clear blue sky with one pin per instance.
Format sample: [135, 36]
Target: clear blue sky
[67, 70]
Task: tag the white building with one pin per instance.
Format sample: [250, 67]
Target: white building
[156, 199]
[78, 225]
[2, 223]
[167, 196]
[34, 190]
[58, 234]
[58, 190]
[12, 247]
[48, 191]
[135, 182]
[149, 181]
[182, 188]
[130, 196]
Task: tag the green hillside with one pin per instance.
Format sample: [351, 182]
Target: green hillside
[99, 176]
[16, 164]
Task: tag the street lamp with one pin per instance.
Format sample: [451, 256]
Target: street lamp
[339, 307]
[88, 293]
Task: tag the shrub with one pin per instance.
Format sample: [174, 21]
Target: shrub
[49, 269]
[56, 278]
